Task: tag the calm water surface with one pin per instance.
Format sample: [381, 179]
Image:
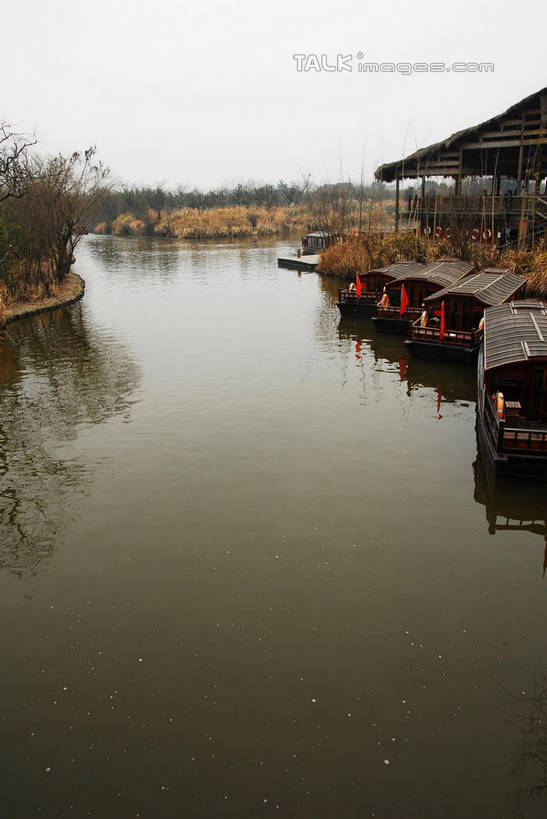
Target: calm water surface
[249, 562]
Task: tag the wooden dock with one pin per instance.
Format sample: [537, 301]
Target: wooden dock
[306, 263]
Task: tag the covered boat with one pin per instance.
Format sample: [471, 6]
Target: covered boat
[450, 326]
[372, 284]
[512, 388]
[403, 300]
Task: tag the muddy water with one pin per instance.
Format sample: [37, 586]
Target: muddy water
[249, 561]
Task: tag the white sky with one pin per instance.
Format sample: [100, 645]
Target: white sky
[208, 93]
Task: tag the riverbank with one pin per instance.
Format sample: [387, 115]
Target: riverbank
[71, 290]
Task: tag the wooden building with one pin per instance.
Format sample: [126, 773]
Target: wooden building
[418, 285]
[463, 304]
[372, 283]
[512, 388]
[509, 146]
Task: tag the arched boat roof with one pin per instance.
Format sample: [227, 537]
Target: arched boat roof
[515, 332]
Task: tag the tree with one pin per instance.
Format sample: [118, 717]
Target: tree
[14, 160]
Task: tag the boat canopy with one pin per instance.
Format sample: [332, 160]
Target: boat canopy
[443, 272]
[491, 287]
[515, 332]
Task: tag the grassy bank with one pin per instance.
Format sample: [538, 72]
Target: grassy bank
[359, 254]
[221, 223]
[241, 221]
[67, 292]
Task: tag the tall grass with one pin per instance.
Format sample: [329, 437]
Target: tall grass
[362, 253]
[192, 223]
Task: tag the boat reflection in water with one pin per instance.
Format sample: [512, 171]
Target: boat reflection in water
[511, 505]
[452, 383]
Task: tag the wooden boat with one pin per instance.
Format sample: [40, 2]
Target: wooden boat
[316, 241]
[512, 429]
[464, 304]
[373, 283]
[418, 284]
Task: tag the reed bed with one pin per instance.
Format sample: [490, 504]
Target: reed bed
[362, 253]
[213, 223]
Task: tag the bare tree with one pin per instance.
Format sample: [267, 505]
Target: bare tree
[14, 160]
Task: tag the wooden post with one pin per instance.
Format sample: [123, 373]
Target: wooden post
[519, 171]
[396, 204]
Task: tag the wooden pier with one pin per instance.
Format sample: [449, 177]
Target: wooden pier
[305, 263]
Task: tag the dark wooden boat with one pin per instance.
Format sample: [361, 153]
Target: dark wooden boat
[464, 305]
[418, 284]
[373, 283]
[513, 361]
[316, 241]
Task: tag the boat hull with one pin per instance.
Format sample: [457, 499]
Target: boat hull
[456, 353]
[356, 309]
[391, 325]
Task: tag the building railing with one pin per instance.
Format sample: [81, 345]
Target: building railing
[501, 204]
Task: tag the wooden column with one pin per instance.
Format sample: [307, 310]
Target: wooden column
[459, 176]
[519, 171]
[396, 204]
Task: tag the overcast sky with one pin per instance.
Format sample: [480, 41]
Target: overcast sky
[209, 93]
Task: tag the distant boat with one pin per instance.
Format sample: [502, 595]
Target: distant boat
[373, 283]
[316, 241]
[418, 284]
[512, 388]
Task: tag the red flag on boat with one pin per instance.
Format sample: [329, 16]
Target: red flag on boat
[441, 331]
[404, 300]
[358, 286]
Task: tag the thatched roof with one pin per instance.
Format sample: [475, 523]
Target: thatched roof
[426, 161]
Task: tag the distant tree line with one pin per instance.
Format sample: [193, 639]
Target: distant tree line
[139, 201]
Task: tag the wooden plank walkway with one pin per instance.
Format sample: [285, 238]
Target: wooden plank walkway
[307, 263]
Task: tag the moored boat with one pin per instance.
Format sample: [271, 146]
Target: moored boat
[512, 388]
[450, 326]
[315, 241]
[402, 302]
[372, 284]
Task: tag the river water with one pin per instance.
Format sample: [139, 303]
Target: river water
[249, 561]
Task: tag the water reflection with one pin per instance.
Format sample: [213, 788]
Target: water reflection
[530, 767]
[511, 505]
[387, 351]
[57, 373]
[141, 255]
